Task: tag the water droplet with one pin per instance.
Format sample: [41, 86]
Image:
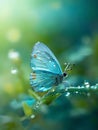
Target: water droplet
[87, 85]
[53, 90]
[14, 71]
[79, 87]
[76, 92]
[94, 87]
[82, 87]
[67, 94]
[32, 116]
[66, 89]
[37, 105]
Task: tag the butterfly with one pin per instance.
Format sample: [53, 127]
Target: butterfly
[46, 70]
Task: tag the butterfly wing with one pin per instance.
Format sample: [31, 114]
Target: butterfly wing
[42, 80]
[43, 59]
[45, 68]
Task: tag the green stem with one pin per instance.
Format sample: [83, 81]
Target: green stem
[34, 94]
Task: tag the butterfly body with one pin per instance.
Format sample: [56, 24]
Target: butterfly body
[46, 71]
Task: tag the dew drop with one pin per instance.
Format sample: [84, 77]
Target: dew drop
[53, 90]
[95, 87]
[32, 116]
[37, 105]
[67, 94]
[76, 92]
[79, 87]
[87, 85]
[66, 89]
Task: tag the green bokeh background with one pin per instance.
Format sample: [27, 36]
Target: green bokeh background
[69, 28]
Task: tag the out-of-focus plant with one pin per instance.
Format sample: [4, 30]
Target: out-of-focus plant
[70, 29]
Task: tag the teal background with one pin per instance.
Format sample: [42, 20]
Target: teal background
[70, 29]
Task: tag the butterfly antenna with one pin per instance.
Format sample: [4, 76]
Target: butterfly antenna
[68, 67]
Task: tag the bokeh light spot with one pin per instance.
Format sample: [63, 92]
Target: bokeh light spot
[14, 71]
[13, 54]
[13, 35]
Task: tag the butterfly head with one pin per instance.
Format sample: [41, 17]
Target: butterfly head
[64, 74]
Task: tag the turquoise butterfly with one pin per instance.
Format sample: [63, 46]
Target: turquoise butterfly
[46, 70]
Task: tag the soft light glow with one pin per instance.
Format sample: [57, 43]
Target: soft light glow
[13, 35]
[67, 94]
[13, 54]
[14, 71]
[5, 10]
[32, 116]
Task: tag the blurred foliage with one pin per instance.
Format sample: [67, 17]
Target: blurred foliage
[70, 29]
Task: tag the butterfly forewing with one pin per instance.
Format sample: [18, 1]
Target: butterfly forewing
[45, 68]
[43, 58]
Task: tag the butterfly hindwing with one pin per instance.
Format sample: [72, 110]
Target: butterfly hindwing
[42, 80]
